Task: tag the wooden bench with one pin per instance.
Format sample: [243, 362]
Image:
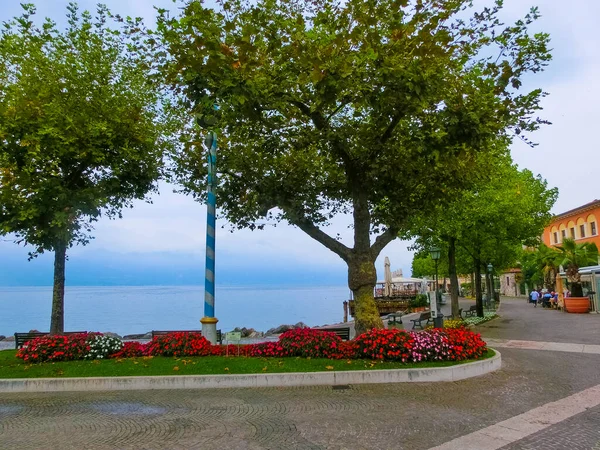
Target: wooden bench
[343, 333]
[162, 333]
[423, 316]
[22, 338]
[449, 317]
[472, 311]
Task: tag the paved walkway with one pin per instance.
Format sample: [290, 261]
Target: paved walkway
[548, 391]
[520, 320]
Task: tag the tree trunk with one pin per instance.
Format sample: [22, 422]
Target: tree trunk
[453, 276]
[576, 290]
[488, 287]
[57, 320]
[478, 299]
[362, 277]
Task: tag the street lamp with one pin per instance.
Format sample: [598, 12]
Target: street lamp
[209, 321]
[490, 269]
[435, 255]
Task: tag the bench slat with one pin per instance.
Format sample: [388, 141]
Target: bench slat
[163, 332]
[22, 338]
[343, 333]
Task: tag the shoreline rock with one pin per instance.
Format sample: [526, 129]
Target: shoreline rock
[283, 328]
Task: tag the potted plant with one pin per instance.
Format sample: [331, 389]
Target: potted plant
[419, 303]
[573, 256]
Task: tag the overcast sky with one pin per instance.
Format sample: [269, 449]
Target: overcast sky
[566, 156]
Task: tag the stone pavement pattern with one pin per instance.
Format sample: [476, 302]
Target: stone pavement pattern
[581, 432]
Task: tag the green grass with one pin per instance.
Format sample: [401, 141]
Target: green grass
[12, 367]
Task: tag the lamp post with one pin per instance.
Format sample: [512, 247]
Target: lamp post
[490, 269]
[438, 319]
[209, 321]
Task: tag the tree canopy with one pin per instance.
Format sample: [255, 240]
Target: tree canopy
[81, 129]
[373, 108]
[492, 222]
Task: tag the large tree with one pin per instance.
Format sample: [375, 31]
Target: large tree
[372, 108]
[80, 130]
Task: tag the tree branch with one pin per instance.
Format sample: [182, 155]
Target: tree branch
[387, 134]
[382, 240]
[320, 236]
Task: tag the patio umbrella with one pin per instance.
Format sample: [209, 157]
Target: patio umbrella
[387, 291]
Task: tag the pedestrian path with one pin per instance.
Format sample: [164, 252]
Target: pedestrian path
[523, 425]
[540, 345]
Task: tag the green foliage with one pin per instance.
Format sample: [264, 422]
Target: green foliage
[492, 222]
[79, 125]
[419, 301]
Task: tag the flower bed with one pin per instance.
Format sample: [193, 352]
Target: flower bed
[377, 344]
[487, 315]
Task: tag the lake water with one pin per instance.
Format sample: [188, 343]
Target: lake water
[132, 309]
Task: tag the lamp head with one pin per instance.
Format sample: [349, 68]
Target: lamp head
[435, 253]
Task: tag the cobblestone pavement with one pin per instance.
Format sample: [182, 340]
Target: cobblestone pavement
[385, 416]
[520, 320]
[581, 432]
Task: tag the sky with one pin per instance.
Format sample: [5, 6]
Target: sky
[163, 243]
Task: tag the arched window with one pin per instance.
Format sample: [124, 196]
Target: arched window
[571, 227]
[581, 228]
[591, 220]
[554, 234]
[563, 231]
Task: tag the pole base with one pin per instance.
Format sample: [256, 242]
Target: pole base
[209, 329]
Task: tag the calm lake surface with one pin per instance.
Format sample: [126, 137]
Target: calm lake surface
[133, 309]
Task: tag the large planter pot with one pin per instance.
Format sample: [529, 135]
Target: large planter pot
[577, 304]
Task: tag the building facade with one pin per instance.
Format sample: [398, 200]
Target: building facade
[580, 224]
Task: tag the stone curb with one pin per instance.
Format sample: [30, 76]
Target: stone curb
[452, 373]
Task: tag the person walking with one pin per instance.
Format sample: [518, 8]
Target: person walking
[535, 296]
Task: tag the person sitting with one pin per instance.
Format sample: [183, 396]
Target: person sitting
[554, 299]
[546, 299]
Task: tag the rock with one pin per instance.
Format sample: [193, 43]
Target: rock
[9, 339]
[115, 335]
[34, 331]
[133, 337]
[2, 337]
[283, 328]
[247, 332]
[256, 334]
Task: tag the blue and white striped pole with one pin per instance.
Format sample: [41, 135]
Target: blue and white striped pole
[209, 321]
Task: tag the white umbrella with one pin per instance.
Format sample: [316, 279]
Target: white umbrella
[388, 278]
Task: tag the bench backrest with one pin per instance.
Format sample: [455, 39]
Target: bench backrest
[473, 308]
[343, 333]
[162, 333]
[22, 338]
[425, 315]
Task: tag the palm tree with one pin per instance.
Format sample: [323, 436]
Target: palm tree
[548, 260]
[572, 257]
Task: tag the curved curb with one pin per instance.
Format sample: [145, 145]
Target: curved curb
[433, 374]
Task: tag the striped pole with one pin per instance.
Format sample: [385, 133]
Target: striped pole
[209, 322]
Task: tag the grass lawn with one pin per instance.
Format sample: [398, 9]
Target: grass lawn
[11, 367]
